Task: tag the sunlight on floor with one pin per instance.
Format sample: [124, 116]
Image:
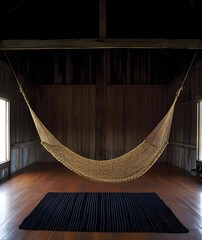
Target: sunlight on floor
[4, 215]
[200, 204]
[3, 207]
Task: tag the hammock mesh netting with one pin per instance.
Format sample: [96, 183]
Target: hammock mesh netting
[129, 166]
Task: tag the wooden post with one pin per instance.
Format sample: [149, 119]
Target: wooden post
[101, 80]
[102, 19]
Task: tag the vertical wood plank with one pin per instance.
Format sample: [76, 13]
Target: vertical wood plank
[92, 122]
[102, 19]
[101, 108]
[116, 123]
[69, 117]
[127, 119]
[121, 123]
[134, 116]
[109, 123]
[69, 78]
[76, 126]
[85, 127]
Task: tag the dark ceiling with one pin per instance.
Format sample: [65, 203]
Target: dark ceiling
[123, 19]
[36, 19]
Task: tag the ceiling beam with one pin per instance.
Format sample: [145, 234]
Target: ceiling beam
[102, 19]
[37, 44]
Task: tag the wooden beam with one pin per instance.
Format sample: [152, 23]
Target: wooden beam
[183, 145]
[101, 81]
[102, 19]
[37, 44]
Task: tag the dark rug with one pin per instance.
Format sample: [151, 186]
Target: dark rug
[103, 212]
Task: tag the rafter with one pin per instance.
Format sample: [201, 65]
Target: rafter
[37, 44]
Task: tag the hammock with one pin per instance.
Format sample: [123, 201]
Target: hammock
[129, 166]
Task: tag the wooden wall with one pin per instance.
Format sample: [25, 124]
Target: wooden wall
[23, 138]
[101, 120]
[131, 111]
[69, 112]
[182, 150]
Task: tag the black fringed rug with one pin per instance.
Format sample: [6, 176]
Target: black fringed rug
[103, 212]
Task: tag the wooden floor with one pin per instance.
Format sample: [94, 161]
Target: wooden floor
[20, 194]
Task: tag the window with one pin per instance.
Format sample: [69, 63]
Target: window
[199, 130]
[4, 131]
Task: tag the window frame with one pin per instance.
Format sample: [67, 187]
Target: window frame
[199, 128]
[7, 122]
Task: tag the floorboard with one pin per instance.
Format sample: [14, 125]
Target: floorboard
[22, 192]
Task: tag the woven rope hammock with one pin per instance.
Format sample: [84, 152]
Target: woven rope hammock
[129, 166]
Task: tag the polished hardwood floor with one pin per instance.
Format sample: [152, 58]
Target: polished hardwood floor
[21, 193]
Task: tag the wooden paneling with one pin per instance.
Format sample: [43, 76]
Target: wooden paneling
[76, 118]
[82, 66]
[100, 110]
[72, 113]
[109, 123]
[131, 113]
[92, 122]
[23, 137]
[85, 124]
[129, 110]
[67, 104]
[24, 154]
[182, 151]
[102, 118]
